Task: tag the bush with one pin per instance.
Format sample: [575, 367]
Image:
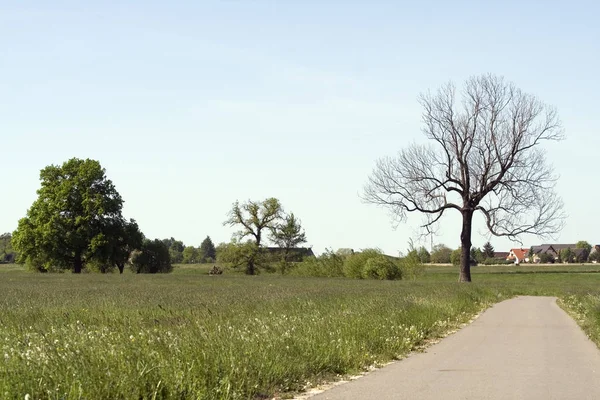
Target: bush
[381, 267]
[354, 265]
[455, 257]
[328, 264]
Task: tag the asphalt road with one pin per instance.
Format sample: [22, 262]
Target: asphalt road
[523, 348]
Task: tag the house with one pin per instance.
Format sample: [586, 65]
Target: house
[501, 255]
[296, 254]
[518, 255]
[555, 249]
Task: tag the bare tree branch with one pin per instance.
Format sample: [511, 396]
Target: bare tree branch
[486, 151]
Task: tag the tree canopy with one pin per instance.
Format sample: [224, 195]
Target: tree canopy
[75, 219]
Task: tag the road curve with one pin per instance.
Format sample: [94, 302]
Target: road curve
[523, 348]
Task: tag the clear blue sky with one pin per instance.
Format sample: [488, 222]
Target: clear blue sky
[190, 105]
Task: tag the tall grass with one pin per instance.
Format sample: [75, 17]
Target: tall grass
[194, 336]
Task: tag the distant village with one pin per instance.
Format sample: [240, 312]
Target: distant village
[580, 252]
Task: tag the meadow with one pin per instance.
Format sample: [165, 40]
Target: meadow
[188, 335]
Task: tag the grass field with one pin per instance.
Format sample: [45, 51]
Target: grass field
[188, 335]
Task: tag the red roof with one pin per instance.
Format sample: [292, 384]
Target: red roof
[521, 254]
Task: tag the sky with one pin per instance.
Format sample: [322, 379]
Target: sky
[192, 105]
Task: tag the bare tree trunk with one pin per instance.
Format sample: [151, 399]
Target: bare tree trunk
[250, 269]
[121, 267]
[465, 242]
[78, 264]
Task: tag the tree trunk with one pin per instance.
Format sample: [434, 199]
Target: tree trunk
[465, 243]
[121, 267]
[78, 264]
[250, 267]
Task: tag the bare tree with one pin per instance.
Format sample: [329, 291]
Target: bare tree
[485, 156]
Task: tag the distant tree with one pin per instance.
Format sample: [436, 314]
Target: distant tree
[239, 254]
[546, 258]
[207, 251]
[488, 250]
[583, 255]
[77, 212]
[455, 257]
[424, 256]
[287, 234]
[190, 255]
[440, 254]
[176, 248]
[152, 258]
[595, 256]
[567, 255]
[114, 249]
[7, 254]
[477, 255]
[254, 218]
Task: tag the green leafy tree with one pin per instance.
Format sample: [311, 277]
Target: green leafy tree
[477, 254]
[583, 255]
[191, 255]
[176, 248]
[254, 217]
[76, 215]
[546, 258]
[488, 250]
[207, 252]
[239, 254]
[287, 234]
[153, 258]
[115, 247]
[7, 254]
[440, 254]
[424, 256]
[567, 255]
[595, 257]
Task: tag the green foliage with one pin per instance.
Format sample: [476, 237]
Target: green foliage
[455, 257]
[254, 217]
[207, 251]
[410, 266]
[287, 234]
[354, 265]
[381, 267]
[567, 255]
[440, 254]
[191, 255]
[424, 256]
[7, 253]
[328, 264]
[488, 250]
[73, 221]
[546, 258]
[176, 248]
[582, 244]
[152, 258]
[241, 254]
[595, 256]
[477, 255]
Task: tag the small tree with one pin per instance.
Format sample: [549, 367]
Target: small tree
[207, 252]
[424, 256]
[546, 258]
[287, 234]
[152, 258]
[477, 255]
[440, 254]
[190, 255]
[488, 250]
[567, 255]
[254, 217]
[583, 255]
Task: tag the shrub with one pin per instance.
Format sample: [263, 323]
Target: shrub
[354, 264]
[328, 264]
[381, 267]
[455, 257]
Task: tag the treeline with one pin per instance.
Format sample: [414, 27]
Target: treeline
[182, 254]
[442, 254]
[7, 254]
